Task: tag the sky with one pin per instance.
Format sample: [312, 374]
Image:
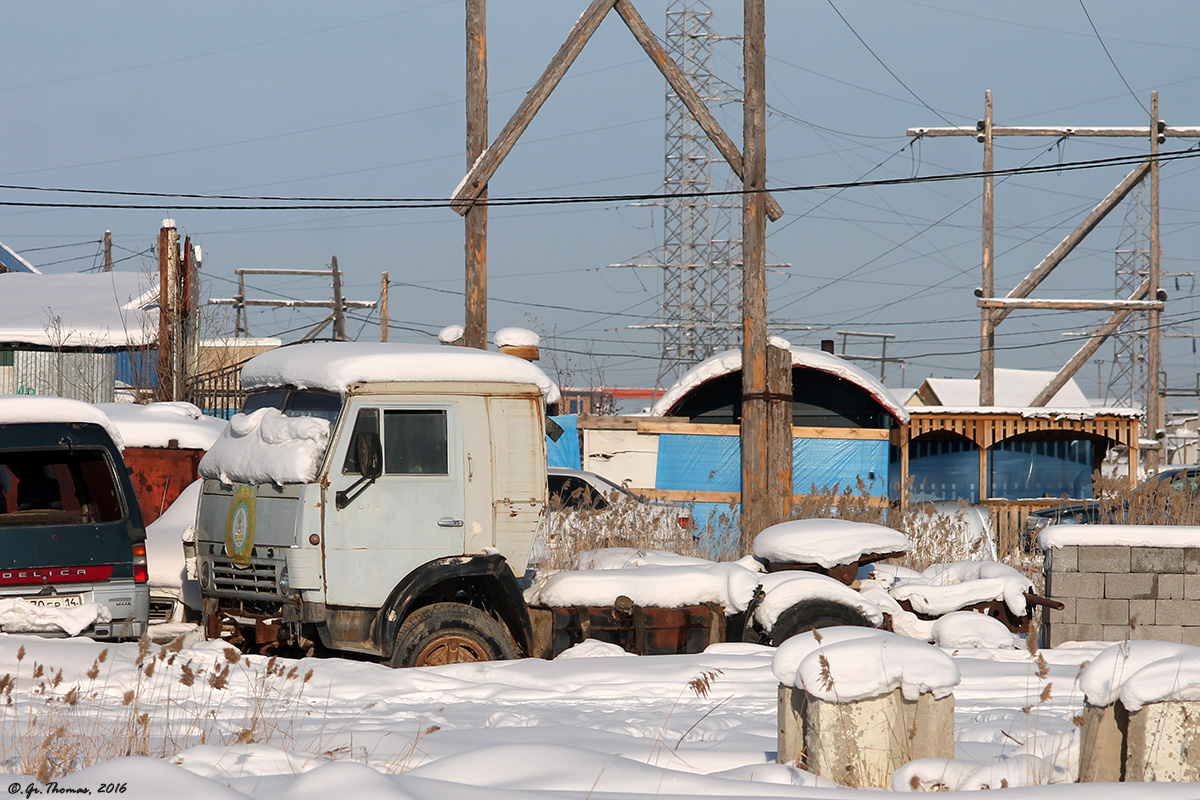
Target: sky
[365, 100]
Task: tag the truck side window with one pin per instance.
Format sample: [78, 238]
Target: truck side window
[414, 442]
[367, 421]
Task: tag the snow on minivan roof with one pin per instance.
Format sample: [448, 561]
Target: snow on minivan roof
[23, 408]
[335, 366]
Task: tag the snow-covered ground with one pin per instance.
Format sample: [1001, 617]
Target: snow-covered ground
[593, 723]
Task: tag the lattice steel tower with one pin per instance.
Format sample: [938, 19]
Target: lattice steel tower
[1127, 380]
[702, 248]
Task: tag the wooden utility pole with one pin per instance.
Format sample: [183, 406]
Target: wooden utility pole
[757, 510]
[1154, 412]
[987, 344]
[475, 330]
[339, 308]
[383, 308]
[108, 262]
[170, 314]
[1148, 298]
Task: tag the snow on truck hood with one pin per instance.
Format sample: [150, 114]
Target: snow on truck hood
[335, 366]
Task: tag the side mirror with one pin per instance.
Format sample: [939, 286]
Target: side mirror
[370, 454]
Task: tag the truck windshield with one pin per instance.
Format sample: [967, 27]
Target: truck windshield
[296, 403]
[57, 487]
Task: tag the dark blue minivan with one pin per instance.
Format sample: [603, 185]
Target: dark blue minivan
[72, 542]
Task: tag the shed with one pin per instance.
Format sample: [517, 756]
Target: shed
[69, 335]
[688, 448]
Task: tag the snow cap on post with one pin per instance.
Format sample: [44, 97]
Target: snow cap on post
[453, 335]
[847, 664]
[518, 342]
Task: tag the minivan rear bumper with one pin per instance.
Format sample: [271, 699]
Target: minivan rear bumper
[127, 604]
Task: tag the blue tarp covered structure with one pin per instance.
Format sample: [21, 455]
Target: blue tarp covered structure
[565, 452]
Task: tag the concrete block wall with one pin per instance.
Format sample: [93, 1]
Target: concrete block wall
[1112, 593]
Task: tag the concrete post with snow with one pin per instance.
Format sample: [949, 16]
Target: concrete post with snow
[855, 704]
[1141, 718]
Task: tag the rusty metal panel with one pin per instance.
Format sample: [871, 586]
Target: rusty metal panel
[159, 476]
[644, 631]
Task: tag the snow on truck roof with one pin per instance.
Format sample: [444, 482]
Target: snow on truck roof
[335, 366]
[731, 361]
[18, 409]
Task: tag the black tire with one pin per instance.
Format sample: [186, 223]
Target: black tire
[450, 633]
[811, 614]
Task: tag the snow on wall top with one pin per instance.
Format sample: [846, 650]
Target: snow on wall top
[731, 361]
[107, 309]
[1120, 535]
[848, 664]
[827, 542]
[156, 424]
[335, 366]
[43, 408]
[1014, 387]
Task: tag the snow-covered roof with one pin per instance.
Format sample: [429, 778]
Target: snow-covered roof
[15, 409]
[1014, 387]
[102, 310]
[157, 424]
[1031, 412]
[11, 260]
[335, 366]
[731, 361]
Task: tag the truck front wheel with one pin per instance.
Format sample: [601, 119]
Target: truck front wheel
[450, 633]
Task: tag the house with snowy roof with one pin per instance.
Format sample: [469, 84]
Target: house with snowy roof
[75, 335]
[1012, 456]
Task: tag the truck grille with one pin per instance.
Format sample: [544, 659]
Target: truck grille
[260, 578]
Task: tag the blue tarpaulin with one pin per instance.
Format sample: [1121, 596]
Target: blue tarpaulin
[714, 464]
[565, 452]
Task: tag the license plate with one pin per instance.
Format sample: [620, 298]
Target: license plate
[57, 601]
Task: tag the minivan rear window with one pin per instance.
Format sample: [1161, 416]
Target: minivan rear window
[57, 487]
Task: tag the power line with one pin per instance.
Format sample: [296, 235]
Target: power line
[402, 203]
[1111, 60]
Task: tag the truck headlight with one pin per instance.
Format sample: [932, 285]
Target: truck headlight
[206, 581]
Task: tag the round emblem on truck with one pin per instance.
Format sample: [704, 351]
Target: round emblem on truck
[239, 527]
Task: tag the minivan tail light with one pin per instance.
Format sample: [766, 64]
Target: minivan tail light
[141, 572]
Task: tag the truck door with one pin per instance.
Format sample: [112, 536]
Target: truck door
[412, 514]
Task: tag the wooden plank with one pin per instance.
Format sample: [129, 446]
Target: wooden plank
[687, 95]
[486, 165]
[1064, 248]
[690, 496]
[870, 434]
[682, 425]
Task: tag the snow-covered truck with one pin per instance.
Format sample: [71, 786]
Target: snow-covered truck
[385, 499]
[378, 499]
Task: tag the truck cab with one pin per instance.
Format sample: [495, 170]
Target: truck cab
[74, 542]
[377, 499]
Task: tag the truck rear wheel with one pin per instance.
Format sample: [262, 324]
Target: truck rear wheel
[811, 614]
[450, 633]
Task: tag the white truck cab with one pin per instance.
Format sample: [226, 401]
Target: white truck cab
[379, 499]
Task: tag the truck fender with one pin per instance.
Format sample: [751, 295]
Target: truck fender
[488, 574]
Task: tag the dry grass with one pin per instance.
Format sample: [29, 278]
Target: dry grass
[51, 726]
